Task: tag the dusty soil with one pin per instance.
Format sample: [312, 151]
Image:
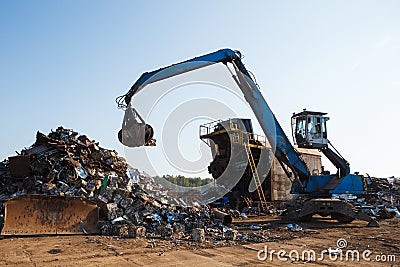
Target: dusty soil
[383, 242]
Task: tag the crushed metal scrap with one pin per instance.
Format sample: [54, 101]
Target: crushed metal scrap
[382, 200]
[67, 165]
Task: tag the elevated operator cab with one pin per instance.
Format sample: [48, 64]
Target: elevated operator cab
[309, 129]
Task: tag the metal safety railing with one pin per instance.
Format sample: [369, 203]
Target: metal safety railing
[232, 127]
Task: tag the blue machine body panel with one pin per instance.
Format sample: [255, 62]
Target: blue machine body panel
[351, 184]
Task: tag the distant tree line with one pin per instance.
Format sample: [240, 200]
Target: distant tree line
[186, 181]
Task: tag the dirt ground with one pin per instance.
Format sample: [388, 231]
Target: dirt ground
[374, 247]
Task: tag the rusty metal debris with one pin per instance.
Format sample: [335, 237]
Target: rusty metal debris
[198, 235]
[67, 164]
[222, 216]
[382, 200]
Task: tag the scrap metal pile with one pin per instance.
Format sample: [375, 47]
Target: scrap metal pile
[383, 199]
[65, 163]
[386, 200]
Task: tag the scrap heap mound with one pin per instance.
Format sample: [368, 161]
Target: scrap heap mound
[383, 201]
[62, 163]
[65, 163]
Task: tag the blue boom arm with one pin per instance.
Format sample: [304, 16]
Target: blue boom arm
[220, 56]
[285, 152]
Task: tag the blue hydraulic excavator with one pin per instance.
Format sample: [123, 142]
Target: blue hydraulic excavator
[309, 131]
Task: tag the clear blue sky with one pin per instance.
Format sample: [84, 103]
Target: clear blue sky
[64, 62]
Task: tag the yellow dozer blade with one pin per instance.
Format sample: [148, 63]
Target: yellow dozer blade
[49, 215]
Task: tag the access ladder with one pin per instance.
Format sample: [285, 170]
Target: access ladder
[256, 177]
